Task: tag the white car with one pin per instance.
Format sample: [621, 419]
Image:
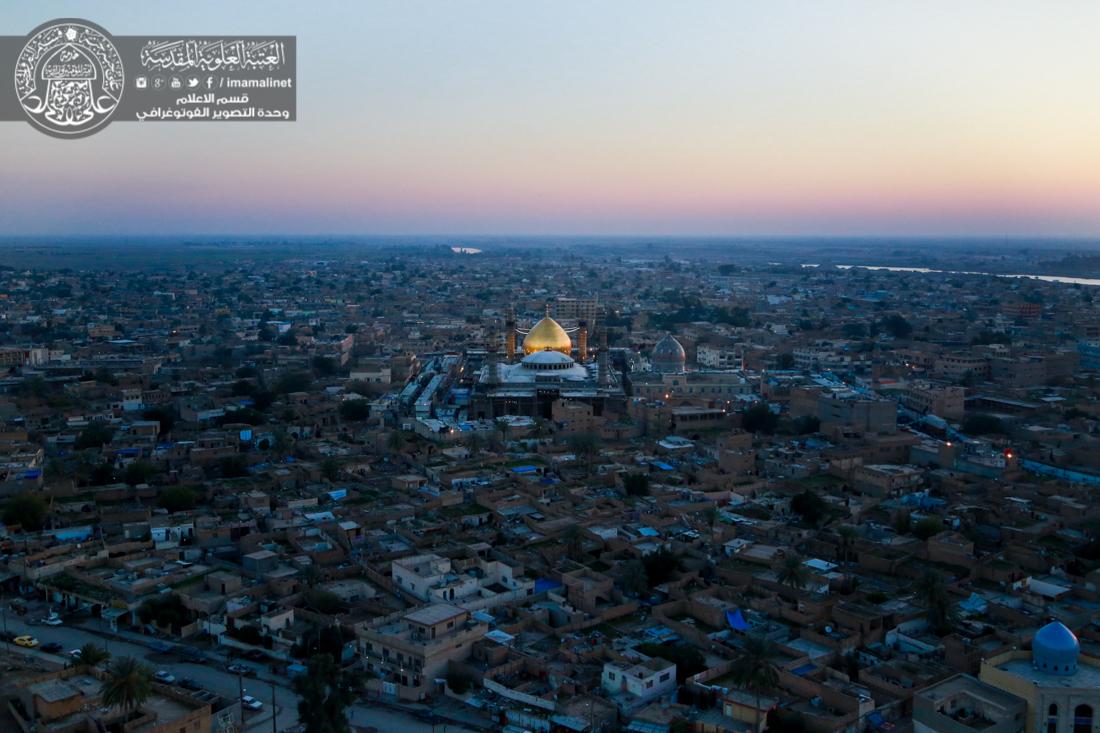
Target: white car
[75, 653]
[52, 620]
[251, 703]
[165, 677]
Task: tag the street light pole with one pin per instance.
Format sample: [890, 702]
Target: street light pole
[273, 729]
[240, 697]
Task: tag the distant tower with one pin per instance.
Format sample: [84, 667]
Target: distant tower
[510, 335]
[603, 374]
[582, 342]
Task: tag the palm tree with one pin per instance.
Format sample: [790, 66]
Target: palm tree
[574, 542]
[129, 684]
[501, 426]
[753, 670]
[92, 655]
[938, 607]
[792, 572]
[585, 445]
[324, 694]
[847, 534]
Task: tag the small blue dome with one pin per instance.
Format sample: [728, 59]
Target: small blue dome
[1055, 649]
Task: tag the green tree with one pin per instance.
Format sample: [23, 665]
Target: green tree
[139, 472]
[93, 655]
[324, 366]
[896, 325]
[928, 527]
[165, 610]
[234, 467]
[759, 419]
[293, 382]
[633, 578]
[128, 684]
[661, 566]
[165, 415]
[636, 484]
[811, 507]
[586, 446]
[95, 435]
[938, 606]
[688, 660]
[980, 424]
[177, 499]
[573, 539]
[792, 572]
[458, 680]
[26, 510]
[330, 469]
[354, 410]
[753, 670]
[847, 534]
[806, 425]
[324, 694]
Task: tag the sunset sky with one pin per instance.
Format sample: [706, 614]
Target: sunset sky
[784, 117]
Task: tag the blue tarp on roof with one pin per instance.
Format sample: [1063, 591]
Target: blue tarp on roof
[544, 584]
[661, 465]
[525, 469]
[736, 621]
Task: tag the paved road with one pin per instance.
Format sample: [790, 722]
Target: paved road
[216, 679]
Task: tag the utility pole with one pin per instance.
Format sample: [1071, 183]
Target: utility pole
[240, 697]
[273, 708]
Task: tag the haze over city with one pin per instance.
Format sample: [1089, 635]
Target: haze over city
[718, 118]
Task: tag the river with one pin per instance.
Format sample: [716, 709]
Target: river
[1045, 278]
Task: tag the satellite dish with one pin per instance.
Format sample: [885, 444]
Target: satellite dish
[828, 629]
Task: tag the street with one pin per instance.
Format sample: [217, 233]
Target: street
[214, 678]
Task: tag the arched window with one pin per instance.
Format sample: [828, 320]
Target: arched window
[1052, 718]
[1082, 719]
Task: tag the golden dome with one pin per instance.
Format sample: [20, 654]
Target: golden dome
[547, 335]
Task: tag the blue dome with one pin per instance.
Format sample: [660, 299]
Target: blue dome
[1054, 649]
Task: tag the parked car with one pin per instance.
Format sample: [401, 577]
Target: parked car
[164, 676]
[238, 668]
[251, 703]
[52, 620]
[52, 647]
[28, 641]
[189, 684]
[7, 635]
[76, 653]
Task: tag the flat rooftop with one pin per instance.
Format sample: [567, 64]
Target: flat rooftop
[434, 614]
[1085, 676]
